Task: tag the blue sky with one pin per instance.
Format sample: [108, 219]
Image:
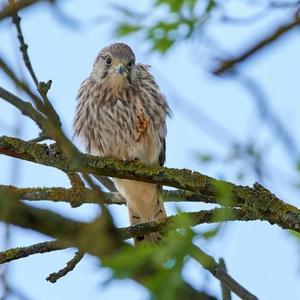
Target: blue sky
[264, 258]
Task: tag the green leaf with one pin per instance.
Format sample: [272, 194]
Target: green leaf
[205, 158]
[191, 3]
[224, 193]
[211, 233]
[126, 29]
[210, 6]
[122, 264]
[163, 44]
[174, 5]
[123, 10]
[240, 175]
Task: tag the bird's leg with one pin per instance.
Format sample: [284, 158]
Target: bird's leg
[142, 125]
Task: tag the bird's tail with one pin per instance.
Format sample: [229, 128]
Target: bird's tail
[144, 202]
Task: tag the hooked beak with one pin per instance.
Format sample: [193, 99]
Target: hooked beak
[121, 69]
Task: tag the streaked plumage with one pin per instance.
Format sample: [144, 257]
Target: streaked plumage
[121, 113]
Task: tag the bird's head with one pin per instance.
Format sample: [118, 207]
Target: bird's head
[115, 65]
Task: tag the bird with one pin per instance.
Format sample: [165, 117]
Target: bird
[121, 113]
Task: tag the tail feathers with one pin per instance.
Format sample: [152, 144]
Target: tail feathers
[154, 211]
[144, 202]
[135, 218]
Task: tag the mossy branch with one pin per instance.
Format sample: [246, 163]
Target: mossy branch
[77, 195]
[258, 202]
[71, 232]
[22, 252]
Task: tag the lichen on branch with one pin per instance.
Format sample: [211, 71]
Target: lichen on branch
[257, 202]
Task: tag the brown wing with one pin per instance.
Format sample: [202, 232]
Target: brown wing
[162, 156]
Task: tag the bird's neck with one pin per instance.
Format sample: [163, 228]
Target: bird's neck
[116, 83]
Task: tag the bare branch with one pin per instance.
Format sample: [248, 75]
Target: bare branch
[26, 108]
[38, 139]
[107, 183]
[23, 46]
[53, 277]
[226, 295]
[22, 85]
[209, 263]
[42, 87]
[284, 4]
[280, 31]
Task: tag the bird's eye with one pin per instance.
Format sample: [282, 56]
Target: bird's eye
[130, 64]
[108, 60]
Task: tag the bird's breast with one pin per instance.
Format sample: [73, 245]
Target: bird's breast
[125, 129]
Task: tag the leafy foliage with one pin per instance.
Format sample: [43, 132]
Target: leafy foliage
[183, 19]
[157, 264]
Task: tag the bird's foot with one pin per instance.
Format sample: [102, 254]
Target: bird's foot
[127, 161]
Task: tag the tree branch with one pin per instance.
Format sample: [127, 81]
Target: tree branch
[78, 234]
[257, 201]
[21, 252]
[23, 46]
[107, 183]
[209, 263]
[26, 108]
[82, 235]
[10, 9]
[67, 230]
[226, 295]
[77, 196]
[280, 31]
[53, 277]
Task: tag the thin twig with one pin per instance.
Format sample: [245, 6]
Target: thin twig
[23, 46]
[280, 31]
[53, 277]
[42, 87]
[106, 182]
[22, 85]
[38, 139]
[226, 295]
[209, 263]
[26, 108]
[284, 4]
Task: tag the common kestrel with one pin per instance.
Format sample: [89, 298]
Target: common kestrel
[121, 113]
